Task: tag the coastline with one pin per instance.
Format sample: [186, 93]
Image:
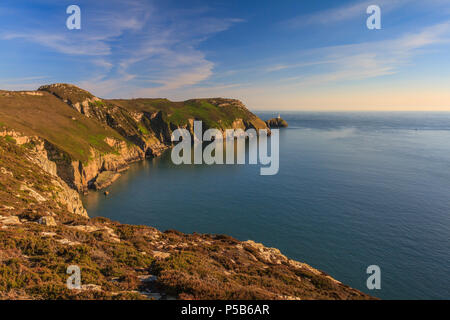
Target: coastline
[44, 225]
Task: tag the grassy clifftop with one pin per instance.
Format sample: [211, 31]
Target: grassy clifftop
[44, 115]
[148, 123]
[217, 113]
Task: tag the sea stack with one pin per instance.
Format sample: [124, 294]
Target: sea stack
[277, 122]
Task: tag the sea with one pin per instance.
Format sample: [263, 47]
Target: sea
[353, 190]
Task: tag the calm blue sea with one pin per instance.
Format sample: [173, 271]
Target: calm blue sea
[353, 190]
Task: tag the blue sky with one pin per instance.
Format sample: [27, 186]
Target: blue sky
[273, 55]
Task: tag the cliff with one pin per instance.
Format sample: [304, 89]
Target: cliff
[60, 140]
[86, 136]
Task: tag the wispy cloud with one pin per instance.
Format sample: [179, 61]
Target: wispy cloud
[100, 27]
[360, 60]
[143, 48]
[23, 83]
[342, 64]
[163, 58]
[342, 13]
[134, 47]
[62, 43]
[280, 67]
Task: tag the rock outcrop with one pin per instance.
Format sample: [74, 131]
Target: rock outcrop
[277, 123]
[48, 221]
[33, 151]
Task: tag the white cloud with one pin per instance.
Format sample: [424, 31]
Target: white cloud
[362, 60]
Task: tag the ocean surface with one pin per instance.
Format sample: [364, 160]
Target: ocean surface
[353, 190]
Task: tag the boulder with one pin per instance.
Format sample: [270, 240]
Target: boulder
[47, 221]
[104, 179]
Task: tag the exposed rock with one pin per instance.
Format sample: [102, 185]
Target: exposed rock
[91, 287]
[69, 197]
[77, 98]
[10, 220]
[6, 172]
[81, 174]
[85, 228]
[112, 236]
[47, 221]
[152, 295]
[105, 179]
[39, 154]
[277, 123]
[68, 242]
[17, 137]
[33, 193]
[161, 255]
[270, 255]
[89, 228]
[31, 93]
[147, 278]
[48, 234]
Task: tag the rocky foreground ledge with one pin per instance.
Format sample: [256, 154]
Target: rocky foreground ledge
[60, 140]
[135, 262]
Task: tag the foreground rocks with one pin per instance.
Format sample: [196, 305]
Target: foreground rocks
[120, 261]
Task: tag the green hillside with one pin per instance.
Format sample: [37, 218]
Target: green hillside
[44, 115]
[215, 113]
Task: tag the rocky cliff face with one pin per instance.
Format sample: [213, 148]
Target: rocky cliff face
[29, 180]
[36, 152]
[145, 123]
[82, 176]
[136, 127]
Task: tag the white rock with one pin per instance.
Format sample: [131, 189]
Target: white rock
[47, 221]
[10, 220]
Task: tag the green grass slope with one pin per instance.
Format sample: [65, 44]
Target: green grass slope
[43, 114]
[217, 113]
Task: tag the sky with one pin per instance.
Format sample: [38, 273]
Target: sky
[273, 55]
